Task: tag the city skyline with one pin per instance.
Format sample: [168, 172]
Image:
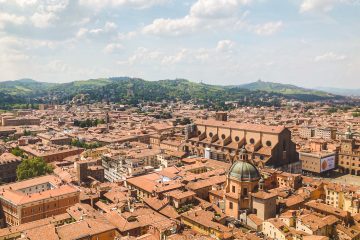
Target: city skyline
[228, 42]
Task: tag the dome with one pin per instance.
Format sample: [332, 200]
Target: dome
[244, 172]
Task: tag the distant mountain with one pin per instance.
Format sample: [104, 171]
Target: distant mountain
[342, 91]
[24, 87]
[286, 89]
[133, 90]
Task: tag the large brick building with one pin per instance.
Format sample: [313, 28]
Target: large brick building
[51, 153]
[223, 140]
[19, 121]
[35, 199]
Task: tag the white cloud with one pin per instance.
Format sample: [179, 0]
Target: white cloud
[13, 56]
[225, 46]
[329, 57]
[98, 4]
[210, 15]
[177, 58]
[113, 47]
[216, 8]
[20, 3]
[109, 27]
[7, 18]
[42, 20]
[323, 5]
[144, 56]
[203, 14]
[18, 43]
[82, 22]
[268, 28]
[58, 66]
[127, 36]
[173, 27]
[47, 12]
[82, 32]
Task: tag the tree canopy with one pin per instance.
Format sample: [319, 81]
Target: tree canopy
[32, 167]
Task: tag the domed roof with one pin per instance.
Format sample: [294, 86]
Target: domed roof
[244, 171]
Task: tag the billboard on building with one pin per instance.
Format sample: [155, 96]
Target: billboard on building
[327, 163]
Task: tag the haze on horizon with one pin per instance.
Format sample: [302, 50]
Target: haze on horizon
[308, 43]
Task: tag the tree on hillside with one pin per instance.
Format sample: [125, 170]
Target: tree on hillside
[33, 167]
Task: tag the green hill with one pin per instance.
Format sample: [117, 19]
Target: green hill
[134, 90]
[286, 89]
[24, 87]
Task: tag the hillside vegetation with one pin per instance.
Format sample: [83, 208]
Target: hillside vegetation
[134, 90]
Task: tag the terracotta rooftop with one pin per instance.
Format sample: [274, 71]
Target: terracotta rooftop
[242, 126]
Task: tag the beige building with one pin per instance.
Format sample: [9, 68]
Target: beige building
[328, 133]
[317, 162]
[35, 199]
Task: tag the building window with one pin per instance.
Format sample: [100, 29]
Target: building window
[252, 141]
[245, 192]
[237, 138]
[211, 134]
[233, 189]
[268, 143]
[223, 136]
[231, 205]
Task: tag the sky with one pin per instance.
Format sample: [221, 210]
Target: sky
[310, 43]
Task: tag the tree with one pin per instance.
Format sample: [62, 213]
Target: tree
[27, 133]
[17, 152]
[32, 167]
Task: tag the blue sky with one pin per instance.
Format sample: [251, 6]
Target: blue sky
[309, 43]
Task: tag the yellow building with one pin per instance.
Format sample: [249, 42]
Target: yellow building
[204, 222]
[343, 197]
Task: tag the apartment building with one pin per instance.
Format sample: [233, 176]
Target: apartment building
[35, 199]
[327, 133]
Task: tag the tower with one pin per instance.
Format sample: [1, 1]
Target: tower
[107, 121]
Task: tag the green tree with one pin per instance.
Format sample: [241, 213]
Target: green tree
[27, 133]
[17, 152]
[32, 167]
